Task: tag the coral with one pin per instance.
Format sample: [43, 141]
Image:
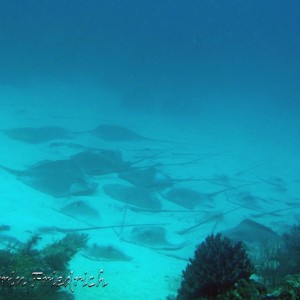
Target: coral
[288, 290]
[58, 254]
[277, 258]
[217, 265]
[292, 285]
[267, 258]
[290, 263]
[21, 261]
[245, 289]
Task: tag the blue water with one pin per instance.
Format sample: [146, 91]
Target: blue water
[222, 75]
[195, 49]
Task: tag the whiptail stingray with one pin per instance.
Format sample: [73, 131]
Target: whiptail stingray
[154, 237]
[140, 197]
[251, 232]
[59, 178]
[100, 162]
[38, 135]
[106, 253]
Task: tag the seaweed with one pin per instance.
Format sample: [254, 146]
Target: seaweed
[291, 253]
[245, 289]
[289, 289]
[18, 266]
[217, 265]
[278, 258]
[58, 254]
[221, 270]
[267, 258]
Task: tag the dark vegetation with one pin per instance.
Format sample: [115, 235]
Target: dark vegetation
[290, 259]
[217, 265]
[17, 261]
[222, 270]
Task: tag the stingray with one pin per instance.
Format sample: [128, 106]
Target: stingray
[104, 161]
[151, 177]
[136, 196]
[106, 253]
[226, 181]
[185, 197]
[154, 237]
[277, 184]
[79, 210]
[251, 232]
[60, 178]
[38, 135]
[189, 198]
[116, 133]
[99, 162]
[276, 212]
[250, 201]
[51, 229]
[147, 177]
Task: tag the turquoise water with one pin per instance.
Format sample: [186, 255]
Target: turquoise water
[212, 89]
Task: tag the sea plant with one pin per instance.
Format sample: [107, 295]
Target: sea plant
[217, 265]
[58, 254]
[267, 258]
[278, 258]
[19, 262]
[291, 251]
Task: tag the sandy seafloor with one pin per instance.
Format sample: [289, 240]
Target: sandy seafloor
[252, 149]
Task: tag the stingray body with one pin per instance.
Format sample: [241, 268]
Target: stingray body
[146, 178]
[80, 210]
[60, 178]
[154, 237]
[132, 195]
[249, 200]
[106, 253]
[38, 135]
[115, 133]
[277, 184]
[99, 163]
[189, 198]
[185, 197]
[251, 232]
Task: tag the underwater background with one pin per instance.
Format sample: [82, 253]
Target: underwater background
[162, 122]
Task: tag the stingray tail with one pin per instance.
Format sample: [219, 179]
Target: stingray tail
[81, 132]
[11, 171]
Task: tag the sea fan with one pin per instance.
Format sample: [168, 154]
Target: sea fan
[217, 265]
